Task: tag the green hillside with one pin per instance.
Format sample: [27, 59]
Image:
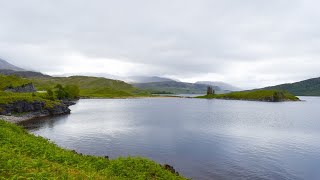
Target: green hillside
[91, 86]
[310, 87]
[256, 95]
[25, 156]
[13, 81]
[10, 97]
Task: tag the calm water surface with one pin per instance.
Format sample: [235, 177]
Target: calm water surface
[202, 139]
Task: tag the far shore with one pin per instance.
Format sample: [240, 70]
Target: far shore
[133, 97]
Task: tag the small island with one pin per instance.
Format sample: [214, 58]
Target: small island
[253, 95]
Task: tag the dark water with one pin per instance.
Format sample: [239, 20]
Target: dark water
[202, 139]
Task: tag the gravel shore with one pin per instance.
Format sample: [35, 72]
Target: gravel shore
[21, 118]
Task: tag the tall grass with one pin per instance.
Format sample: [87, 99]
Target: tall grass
[12, 81]
[24, 156]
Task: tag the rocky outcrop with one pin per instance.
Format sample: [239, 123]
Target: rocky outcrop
[26, 88]
[170, 168]
[277, 97]
[59, 109]
[36, 107]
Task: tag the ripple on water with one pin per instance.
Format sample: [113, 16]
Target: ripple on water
[203, 139]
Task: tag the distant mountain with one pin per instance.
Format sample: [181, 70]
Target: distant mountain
[175, 87]
[222, 85]
[146, 79]
[5, 65]
[26, 74]
[309, 87]
[9, 69]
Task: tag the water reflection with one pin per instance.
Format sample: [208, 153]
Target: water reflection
[202, 139]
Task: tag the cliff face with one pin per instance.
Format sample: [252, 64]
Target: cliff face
[36, 107]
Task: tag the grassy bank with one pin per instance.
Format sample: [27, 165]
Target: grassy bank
[23, 155]
[257, 95]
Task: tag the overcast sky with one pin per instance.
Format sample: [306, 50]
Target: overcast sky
[249, 43]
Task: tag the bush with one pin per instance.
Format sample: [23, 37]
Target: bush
[72, 91]
[26, 156]
[67, 92]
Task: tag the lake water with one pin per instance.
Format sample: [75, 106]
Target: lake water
[202, 139]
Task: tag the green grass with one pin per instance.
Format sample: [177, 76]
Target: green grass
[257, 95]
[92, 86]
[25, 156]
[10, 97]
[89, 86]
[12, 80]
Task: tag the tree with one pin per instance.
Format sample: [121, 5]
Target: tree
[50, 94]
[60, 92]
[72, 91]
[67, 92]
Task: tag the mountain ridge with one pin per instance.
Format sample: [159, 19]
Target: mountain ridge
[308, 87]
[6, 65]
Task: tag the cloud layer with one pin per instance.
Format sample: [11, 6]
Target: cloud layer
[249, 43]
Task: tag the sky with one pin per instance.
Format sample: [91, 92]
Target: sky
[248, 43]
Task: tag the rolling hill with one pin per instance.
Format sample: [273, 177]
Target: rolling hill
[309, 87]
[91, 86]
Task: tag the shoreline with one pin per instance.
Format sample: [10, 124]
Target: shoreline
[30, 150]
[62, 109]
[22, 118]
[16, 119]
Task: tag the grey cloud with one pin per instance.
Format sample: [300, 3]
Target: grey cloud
[174, 37]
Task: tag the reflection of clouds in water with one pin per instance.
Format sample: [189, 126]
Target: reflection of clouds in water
[279, 137]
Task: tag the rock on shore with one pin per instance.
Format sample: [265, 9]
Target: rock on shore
[22, 110]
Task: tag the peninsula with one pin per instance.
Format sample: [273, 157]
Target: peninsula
[254, 95]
